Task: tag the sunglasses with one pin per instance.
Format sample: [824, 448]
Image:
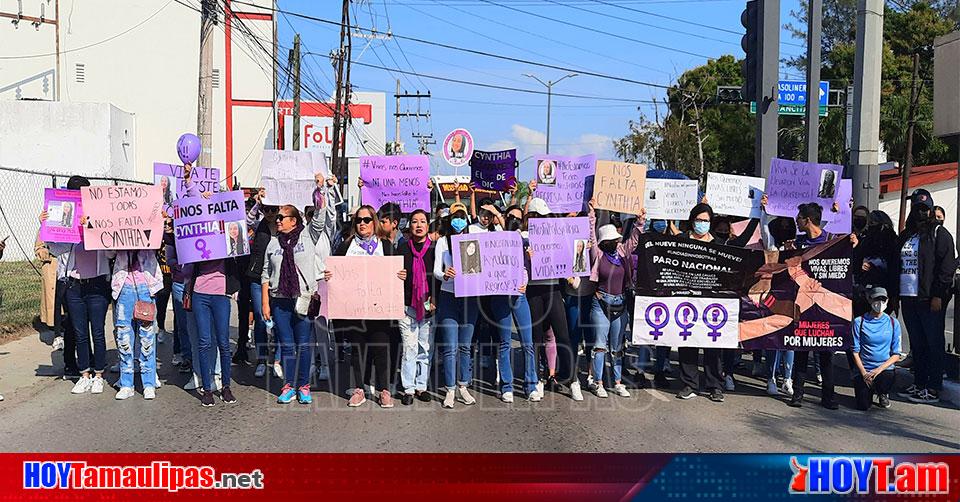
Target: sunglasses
[365, 219]
[280, 217]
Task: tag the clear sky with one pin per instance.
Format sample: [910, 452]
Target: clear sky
[658, 51]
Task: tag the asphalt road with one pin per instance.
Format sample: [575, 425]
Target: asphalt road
[40, 414]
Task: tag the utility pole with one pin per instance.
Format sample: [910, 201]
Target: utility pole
[549, 85]
[911, 122]
[767, 92]
[864, 149]
[295, 63]
[208, 18]
[814, 22]
[423, 139]
[341, 59]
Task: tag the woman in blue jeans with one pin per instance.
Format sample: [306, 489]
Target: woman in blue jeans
[263, 219]
[456, 317]
[289, 278]
[136, 277]
[612, 273]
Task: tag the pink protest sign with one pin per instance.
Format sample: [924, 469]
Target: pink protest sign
[401, 179]
[122, 217]
[63, 209]
[364, 287]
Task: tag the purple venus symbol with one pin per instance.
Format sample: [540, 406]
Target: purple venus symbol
[689, 319]
[715, 316]
[201, 246]
[659, 310]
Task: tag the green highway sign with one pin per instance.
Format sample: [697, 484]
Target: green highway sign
[790, 109]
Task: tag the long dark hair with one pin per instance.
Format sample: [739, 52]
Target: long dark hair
[879, 237]
[917, 225]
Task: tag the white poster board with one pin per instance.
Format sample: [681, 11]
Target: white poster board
[288, 176]
[669, 199]
[735, 195]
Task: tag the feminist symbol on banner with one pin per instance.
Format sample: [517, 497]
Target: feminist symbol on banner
[714, 316]
[659, 310]
[201, 245]
[689, 318]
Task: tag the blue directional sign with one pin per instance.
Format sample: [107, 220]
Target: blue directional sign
[794, 92]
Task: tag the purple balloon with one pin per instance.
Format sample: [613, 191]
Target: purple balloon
[188, 148]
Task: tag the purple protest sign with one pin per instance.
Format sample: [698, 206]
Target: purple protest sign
[564, 183]
[63, 209]
[792, 183]
[560, 247]
[170, 179]
[840, 222]
[488, 263]
[210, 229]
[401, 179]
[494, 170]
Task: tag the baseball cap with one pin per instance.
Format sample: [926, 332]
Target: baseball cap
[458, 206]
[539, 206]
[876, 292]
[921, 196]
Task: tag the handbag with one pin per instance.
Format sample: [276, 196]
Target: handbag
[305, 300]
[612, 311]
[143, 311]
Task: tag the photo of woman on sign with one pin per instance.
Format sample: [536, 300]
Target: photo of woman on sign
[237, 243]
[828, 184]
[546, 172]
[458, 146]
[580, 259]
[470, 257]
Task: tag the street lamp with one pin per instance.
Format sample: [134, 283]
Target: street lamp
[549, 85]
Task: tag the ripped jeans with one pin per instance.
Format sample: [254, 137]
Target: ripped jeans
[609, 339]
[127, 344]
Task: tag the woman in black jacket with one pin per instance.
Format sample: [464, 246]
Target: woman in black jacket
[264, 219]
[926, 268]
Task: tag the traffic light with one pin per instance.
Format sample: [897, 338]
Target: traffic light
[729, 94]
[750, 18]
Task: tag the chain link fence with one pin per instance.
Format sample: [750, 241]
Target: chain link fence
[20, 271]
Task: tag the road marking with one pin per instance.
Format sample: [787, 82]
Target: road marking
[657, 394]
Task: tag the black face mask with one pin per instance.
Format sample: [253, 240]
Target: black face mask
[608, 246]
[721, 236]
[940, 223]
[513, 223]
[859, 222]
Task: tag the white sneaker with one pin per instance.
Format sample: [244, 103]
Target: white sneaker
[728, 383]
[96, 387]
[277, 369]
[575, 393]
[193, 384]
[535, 397]
[217, 382]
[82, 385]
[507, 397]
[590, 381]
[260, 371]
[540, 387]
[159, 383]
[772, 387]
[621, 390]
[177, 360]
[1, 397]
[600, 391]
[787, 387]
[115, 368]
[58, 343]
[125, 393]
[449, 398]
[465, 396]
[149, 393]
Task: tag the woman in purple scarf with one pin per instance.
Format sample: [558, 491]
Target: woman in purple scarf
[416, 328]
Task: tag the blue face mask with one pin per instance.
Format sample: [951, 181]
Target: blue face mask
[659, 226]
[458, 224]
[701, 227]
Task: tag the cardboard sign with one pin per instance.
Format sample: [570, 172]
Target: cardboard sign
[170, 179]
[488, 263]
[792, 183]
[401, 179]
[288, 176]
[210, 229]
[734, 195]
[64, 209]
[618, 186]
[363, 287]
[686, 322]
[669, 199]
[494, 170]
[560, 247]
[562, 181]
[122, 217]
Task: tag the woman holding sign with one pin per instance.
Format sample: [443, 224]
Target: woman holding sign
[370, 337]
[288, 282]
[612, 272]
[456, 317]
[136, 280]
[416, 328]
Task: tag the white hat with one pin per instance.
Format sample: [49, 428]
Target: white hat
[539, 206]
[608, 233]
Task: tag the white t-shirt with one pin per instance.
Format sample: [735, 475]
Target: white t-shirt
[910, 267]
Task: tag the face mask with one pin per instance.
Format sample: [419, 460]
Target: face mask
[513, 223]
[608, 246]
[659, 226]
[940, 222]
[701, 227]
[879, 306]
[722, 237]
[458, 224]
[859, 222]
